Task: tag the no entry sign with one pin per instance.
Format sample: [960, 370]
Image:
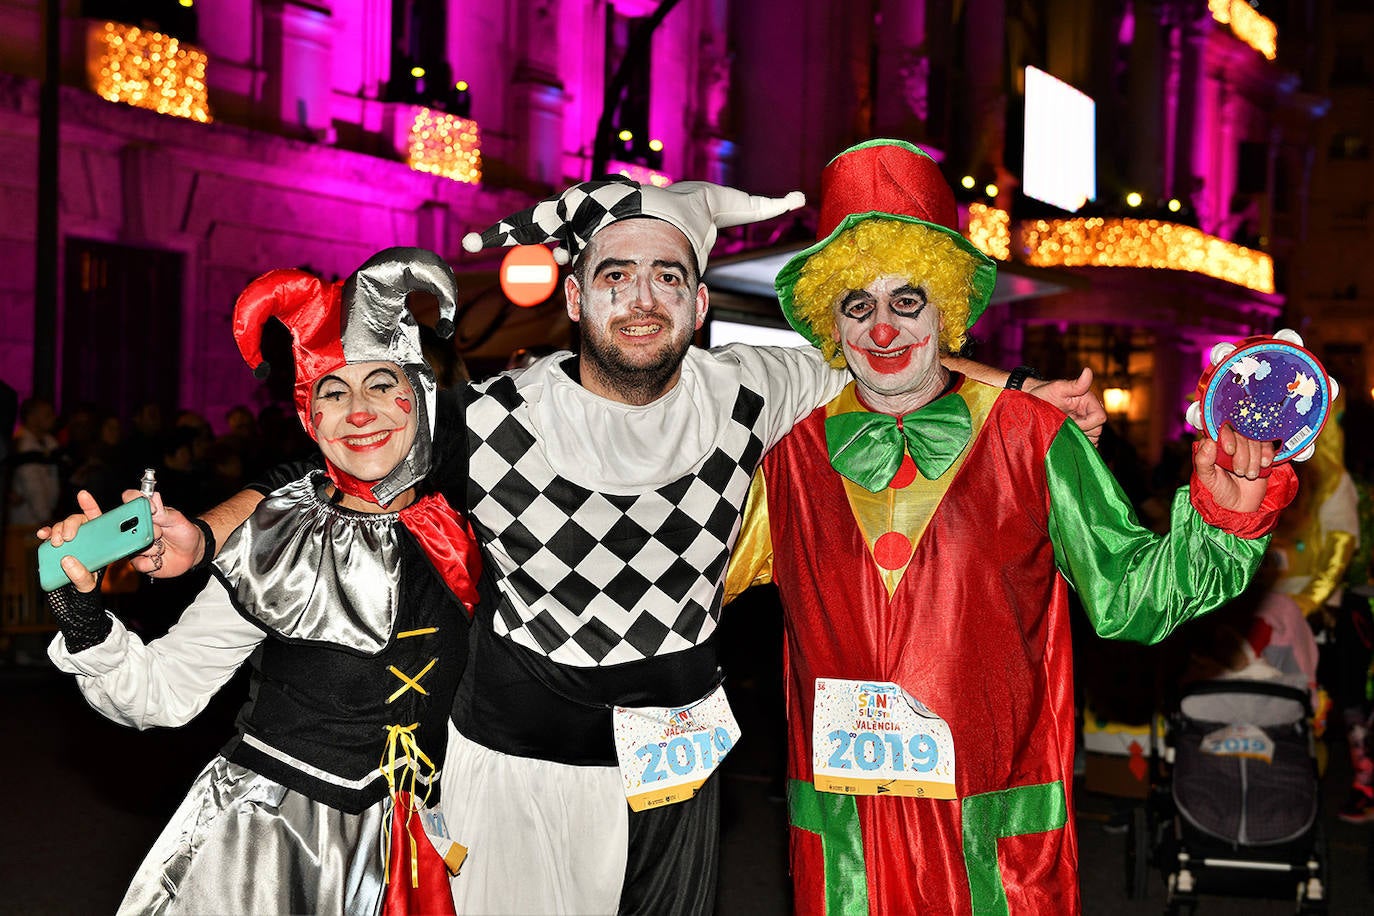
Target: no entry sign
[529, 274]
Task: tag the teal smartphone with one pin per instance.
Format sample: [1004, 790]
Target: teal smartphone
[98, 543]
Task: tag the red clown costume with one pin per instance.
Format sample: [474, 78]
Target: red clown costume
[928, 661]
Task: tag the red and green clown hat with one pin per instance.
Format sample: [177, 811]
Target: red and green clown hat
[888, 180]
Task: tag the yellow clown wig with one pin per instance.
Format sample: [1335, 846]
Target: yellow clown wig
[925, 256]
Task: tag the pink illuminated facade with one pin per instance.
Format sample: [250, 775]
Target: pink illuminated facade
[1190, 110]
[334, 128]
[318, 143]
[1332, 295]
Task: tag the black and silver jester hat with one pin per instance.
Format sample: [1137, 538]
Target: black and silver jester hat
[378, 325]
[363, 319]
[697, 208]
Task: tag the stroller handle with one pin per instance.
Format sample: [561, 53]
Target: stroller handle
[1268, 688]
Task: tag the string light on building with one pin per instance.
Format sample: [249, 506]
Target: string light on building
[1098, 242]
[1133, 199]
[989, 229]
[990, 189]
[967, 182]
[148, 70]
[447, 145]
[639, 173]
[1255, 29]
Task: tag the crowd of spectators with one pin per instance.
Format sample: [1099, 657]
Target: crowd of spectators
[91, 447]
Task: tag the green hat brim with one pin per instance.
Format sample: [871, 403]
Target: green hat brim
[984, 271]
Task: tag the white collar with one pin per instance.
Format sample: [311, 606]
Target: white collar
[618, 448]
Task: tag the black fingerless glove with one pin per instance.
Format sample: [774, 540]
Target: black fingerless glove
[80, 616]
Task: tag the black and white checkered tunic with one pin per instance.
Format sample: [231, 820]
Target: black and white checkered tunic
[593, 577]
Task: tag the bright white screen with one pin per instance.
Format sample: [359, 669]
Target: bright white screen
[1061, 143]
[724, 332]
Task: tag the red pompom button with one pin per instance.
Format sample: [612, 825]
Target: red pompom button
[892, 550]
[905, 474]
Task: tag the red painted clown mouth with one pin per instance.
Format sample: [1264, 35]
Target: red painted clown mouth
[894, 359]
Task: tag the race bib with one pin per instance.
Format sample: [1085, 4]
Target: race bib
[436, 828]
[1239, 741]
[874, 738]
[667, 752]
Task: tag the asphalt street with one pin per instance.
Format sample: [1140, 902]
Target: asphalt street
[85, 799]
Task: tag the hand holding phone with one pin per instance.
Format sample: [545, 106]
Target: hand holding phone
[97, 542]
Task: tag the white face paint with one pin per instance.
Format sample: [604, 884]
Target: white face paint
[364, 418]
[890, 334]
[638, 310]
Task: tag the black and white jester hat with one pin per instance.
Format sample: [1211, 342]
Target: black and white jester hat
[362, 319]
[696, 208]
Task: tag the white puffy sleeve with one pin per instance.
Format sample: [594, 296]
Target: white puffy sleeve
[794, 381]
[171, 679]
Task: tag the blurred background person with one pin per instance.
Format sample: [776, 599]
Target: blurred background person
[34, 480]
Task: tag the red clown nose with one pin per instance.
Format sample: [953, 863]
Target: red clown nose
[883, 334]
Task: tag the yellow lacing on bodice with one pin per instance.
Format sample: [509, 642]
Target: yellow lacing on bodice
[401, 764]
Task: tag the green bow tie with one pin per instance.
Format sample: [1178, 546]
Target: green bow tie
[867, 447]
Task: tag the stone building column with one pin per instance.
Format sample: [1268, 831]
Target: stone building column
[537, 93]
[902, 70]
[985, 82]
[714, 154]
[1145, 100]
[298, 49]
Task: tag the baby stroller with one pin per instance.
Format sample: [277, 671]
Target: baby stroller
[1233, 804]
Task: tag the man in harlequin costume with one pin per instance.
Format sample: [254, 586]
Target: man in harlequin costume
[923, 530]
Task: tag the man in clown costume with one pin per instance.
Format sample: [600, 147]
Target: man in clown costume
[923, 530]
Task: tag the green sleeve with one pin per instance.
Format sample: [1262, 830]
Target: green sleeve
[1135, 584]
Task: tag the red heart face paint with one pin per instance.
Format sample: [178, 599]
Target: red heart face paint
[363, 418]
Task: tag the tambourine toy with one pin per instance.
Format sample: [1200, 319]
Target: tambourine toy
[1270, 389]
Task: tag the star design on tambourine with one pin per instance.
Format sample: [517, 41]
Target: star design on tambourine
[1266, 388]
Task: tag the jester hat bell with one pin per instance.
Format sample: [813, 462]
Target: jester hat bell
[362, 319]
[890, 180]
[696, 208]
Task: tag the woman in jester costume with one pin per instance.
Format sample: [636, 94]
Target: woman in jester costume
[923, 530]
[348, 594]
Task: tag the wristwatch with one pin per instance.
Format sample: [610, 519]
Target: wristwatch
[1018, 377]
